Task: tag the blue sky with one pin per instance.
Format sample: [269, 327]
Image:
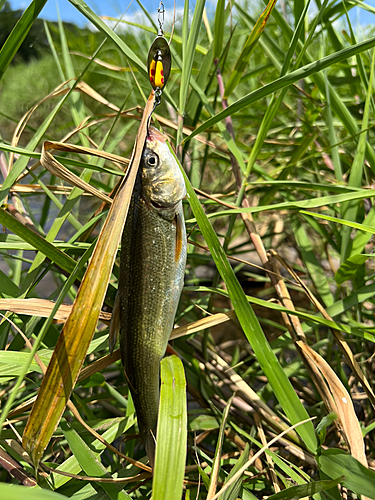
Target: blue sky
[117, 7]
[101, 7]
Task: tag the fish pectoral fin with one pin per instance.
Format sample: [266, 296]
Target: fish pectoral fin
[179, 239]
[114, 326]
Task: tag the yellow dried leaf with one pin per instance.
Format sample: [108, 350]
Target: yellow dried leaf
[75, 338]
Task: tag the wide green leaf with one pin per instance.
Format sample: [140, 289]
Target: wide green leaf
[90, 463]
[358, 478]
[171, 433]
[17, 492]
[305, 490]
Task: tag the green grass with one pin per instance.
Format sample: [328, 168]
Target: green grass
[293, 154]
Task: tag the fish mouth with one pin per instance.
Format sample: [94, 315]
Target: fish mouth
[166, 206]
[158, 207]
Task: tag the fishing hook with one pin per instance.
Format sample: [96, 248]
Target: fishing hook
[158, 92]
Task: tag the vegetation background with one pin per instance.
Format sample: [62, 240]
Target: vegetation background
[272, 114]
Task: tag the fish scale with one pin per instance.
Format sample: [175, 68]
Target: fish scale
[152, 266]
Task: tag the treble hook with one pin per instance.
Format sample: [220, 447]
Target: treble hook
[161, 12]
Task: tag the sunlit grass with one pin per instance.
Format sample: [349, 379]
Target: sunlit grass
[284, 184]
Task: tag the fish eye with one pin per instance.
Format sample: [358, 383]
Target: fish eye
[150, 158]
[152, 161]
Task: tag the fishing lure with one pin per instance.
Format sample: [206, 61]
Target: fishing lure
[159, 57]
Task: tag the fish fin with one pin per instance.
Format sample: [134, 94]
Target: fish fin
[114, 326]
[179, 240]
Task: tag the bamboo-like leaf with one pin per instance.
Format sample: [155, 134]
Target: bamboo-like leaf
[248, 49]
[79, 329]
[172, 432]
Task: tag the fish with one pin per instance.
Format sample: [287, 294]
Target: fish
[151, 277]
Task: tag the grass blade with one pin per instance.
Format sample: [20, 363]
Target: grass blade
[18, 34]
[344, 405]
[217, 458]
[219, 28]
[234, 491]
[285, 81]
[350, 210]
[172, 432]
[189, 40]
[103, 27]
[350, 267]
[248, 49]
[305, 490]
[36, 241]
[281, 386]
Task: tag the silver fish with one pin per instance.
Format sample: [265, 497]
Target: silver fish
[152, 266]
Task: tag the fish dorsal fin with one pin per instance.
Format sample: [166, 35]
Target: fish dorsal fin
[114, 326]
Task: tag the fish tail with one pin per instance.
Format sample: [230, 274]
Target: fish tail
[150, 446]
